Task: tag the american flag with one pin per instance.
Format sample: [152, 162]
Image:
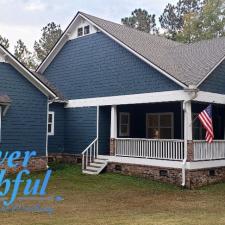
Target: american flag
[206, 119]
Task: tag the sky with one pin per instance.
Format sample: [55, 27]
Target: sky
[23, 19]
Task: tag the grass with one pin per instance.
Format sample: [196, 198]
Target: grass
[112, 199]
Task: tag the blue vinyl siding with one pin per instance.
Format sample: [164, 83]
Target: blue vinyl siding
[80, 128]
[96, 66]
[56, 142]
[24, 126]
[216, 81]
[104, 130]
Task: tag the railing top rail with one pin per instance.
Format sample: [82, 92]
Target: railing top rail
[146, 139]
[203, 141]
[89, 146]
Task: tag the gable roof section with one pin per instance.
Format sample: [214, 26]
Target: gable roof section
[9, 58]
[184, 64]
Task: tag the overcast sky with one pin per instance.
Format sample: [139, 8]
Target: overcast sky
[25, 18]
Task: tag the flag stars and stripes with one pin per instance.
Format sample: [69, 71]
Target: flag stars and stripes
[205, 118]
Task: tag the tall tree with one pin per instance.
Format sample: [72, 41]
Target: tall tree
[24, 55]
[141, 20]
[50, 35]
[172, 19]
[207, 24]
[4, 42]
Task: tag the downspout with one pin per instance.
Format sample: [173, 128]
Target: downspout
[46, 150]
[193, 91]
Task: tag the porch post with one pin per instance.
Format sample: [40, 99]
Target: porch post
[113, 129]
[188, 136]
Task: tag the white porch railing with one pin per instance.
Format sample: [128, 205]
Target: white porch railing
[205, 151]
[150, 148]
[89, 154]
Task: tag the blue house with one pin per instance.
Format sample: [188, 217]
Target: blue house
[24, 102]
[124, 101]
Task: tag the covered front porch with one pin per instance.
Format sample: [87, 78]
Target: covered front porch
[156, 131]
[160, 138]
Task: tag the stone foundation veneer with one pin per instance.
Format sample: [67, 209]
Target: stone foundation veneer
[194, 178]
[35, 164]
[65, 158]
[112, 146]
[190, 151]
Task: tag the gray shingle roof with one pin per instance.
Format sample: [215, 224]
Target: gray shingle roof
[44, 80]
[5, 99]
[188, 64]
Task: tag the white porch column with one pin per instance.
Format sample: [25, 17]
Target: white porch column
[188, 122]
[113, 132]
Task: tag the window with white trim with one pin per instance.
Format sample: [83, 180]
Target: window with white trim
[159, 126]
[51, 123]
[80, 31]
[124, 124]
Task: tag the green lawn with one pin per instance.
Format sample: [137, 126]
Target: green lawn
[112, 199]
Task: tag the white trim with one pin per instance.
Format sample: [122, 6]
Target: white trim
[52, 133]
[205, 164]
[210, 97]
[145, 162]
[165, 163]
[128, 125]
[26, 73]
[211, 71]
[155, 97]
[159, 114]
[166, 96]
[113, 125]
[59, 45]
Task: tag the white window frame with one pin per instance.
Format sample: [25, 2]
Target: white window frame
[158, 114]
[121, 134]
[52, 124]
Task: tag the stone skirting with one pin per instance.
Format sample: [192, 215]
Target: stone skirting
[194, 178]
[35, 164]
[203, 177]
[64, 158]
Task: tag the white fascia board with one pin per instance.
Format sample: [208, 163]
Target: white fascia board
[210, 72]
[146, 162]
[205, 164]
[26, 73]
[210, 97]
[166, 96]
[67, 34]
[166, 163]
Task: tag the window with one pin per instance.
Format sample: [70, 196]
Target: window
[51, 121]
[80, 31]
[198, 129]
[159, 125]
[86, 30]
[124, 125]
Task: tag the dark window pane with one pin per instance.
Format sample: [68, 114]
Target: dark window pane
[153, 121]
[124, 119]
[87, 30]
[165, 120]
[50, 118]
[49, 128]
[153, 133]
[124, 129]
[165, 133]
[80, 31]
